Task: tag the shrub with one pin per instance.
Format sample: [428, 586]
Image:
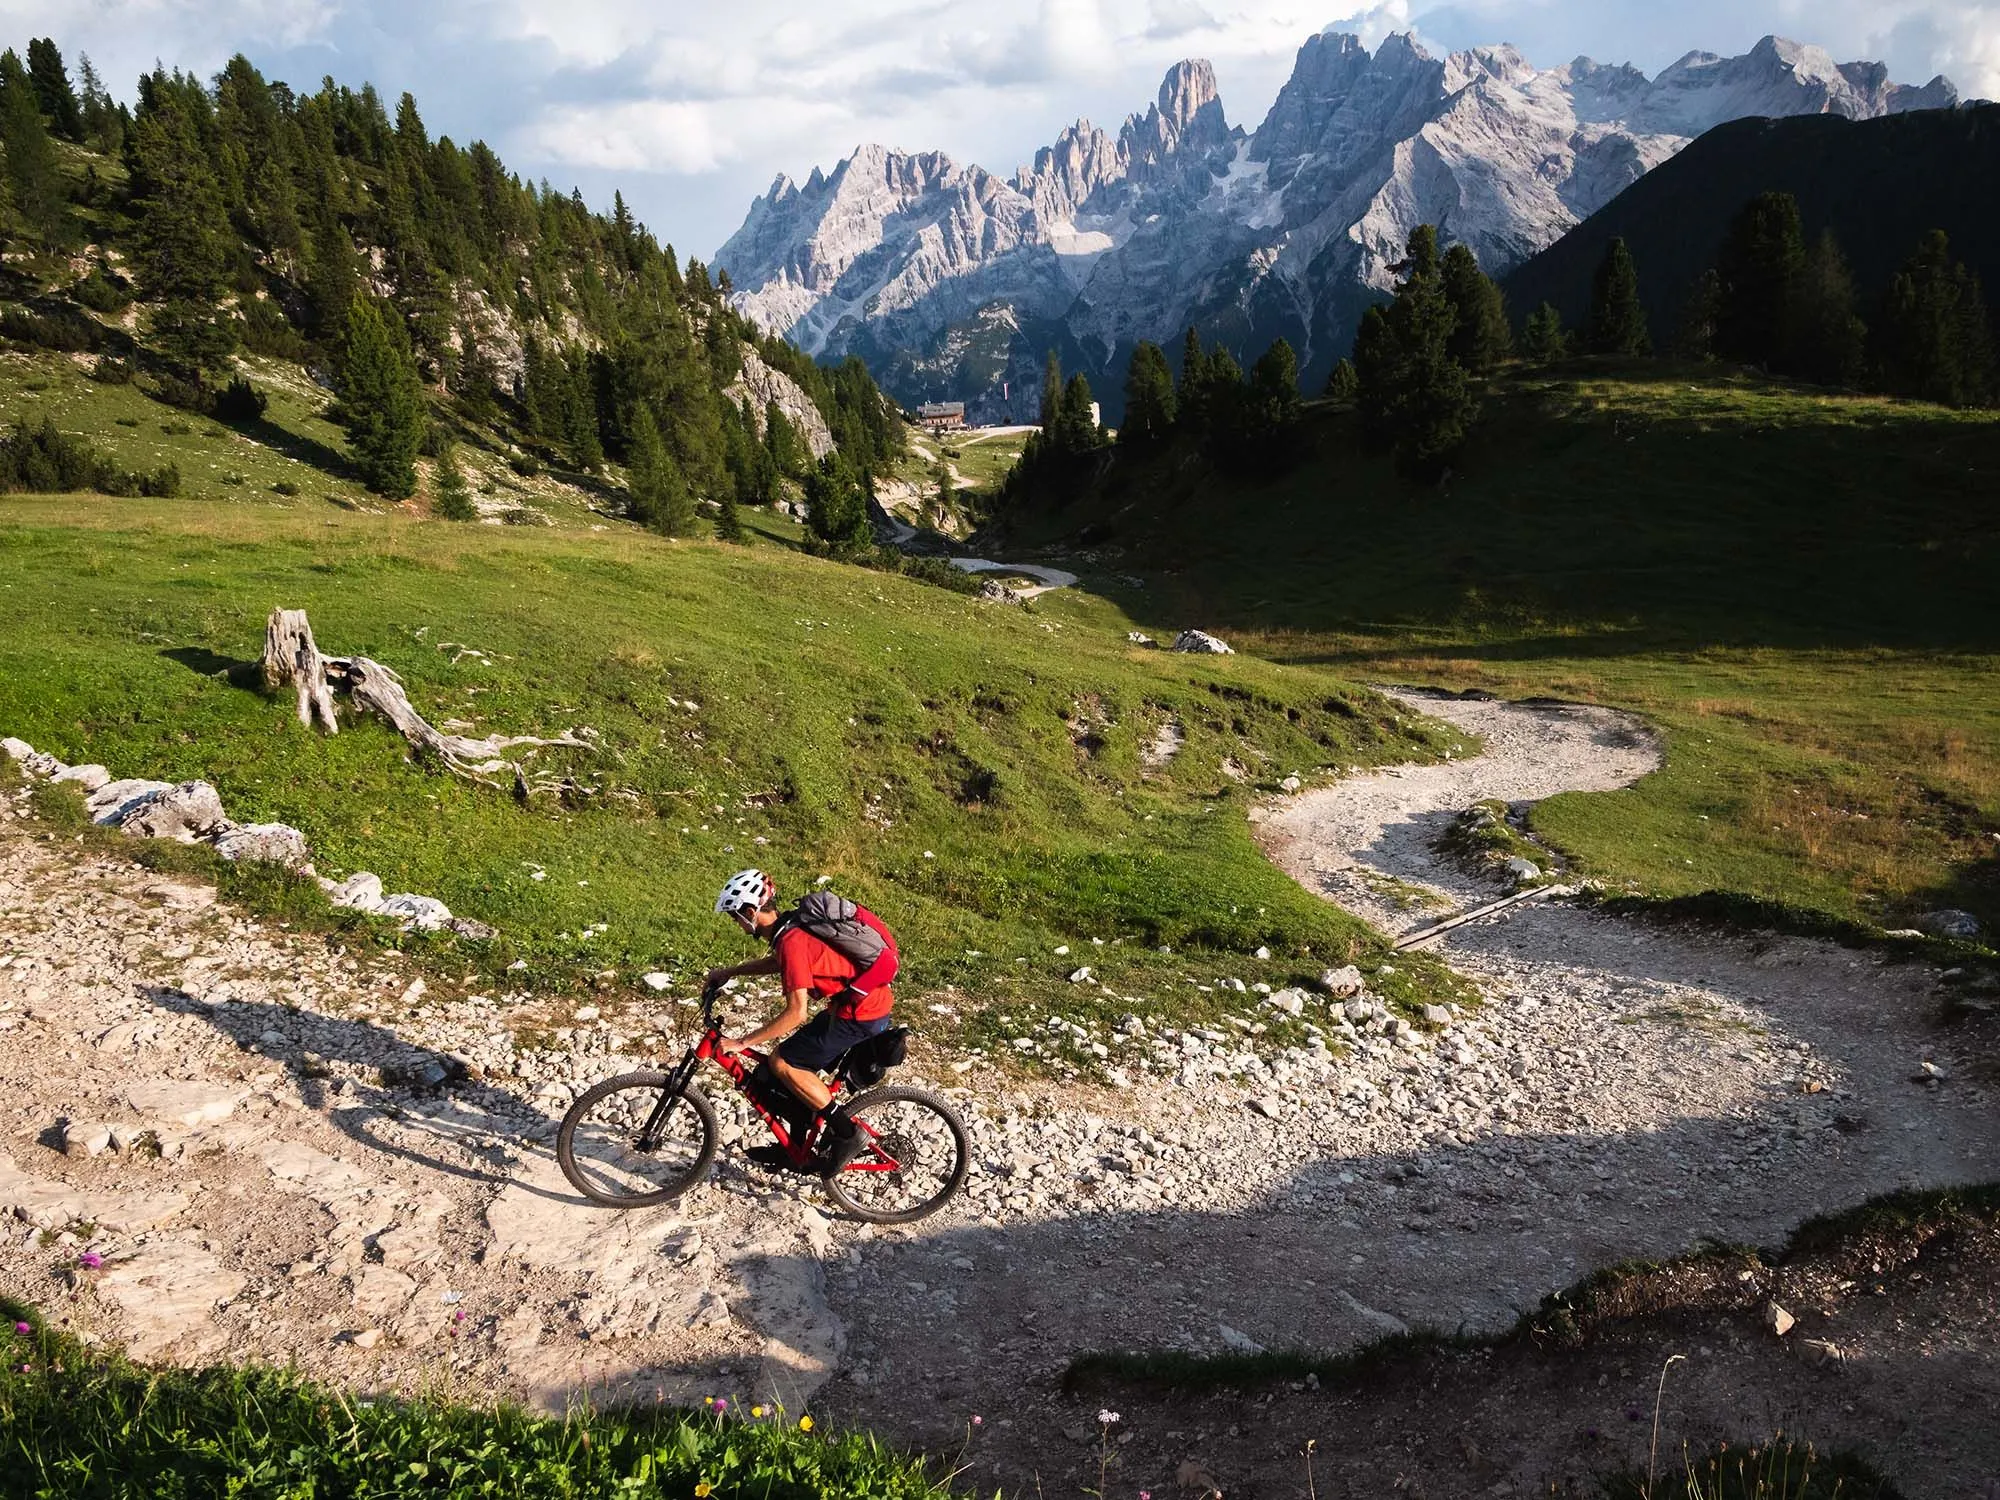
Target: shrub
[67, 331]
[103, 291]
[41, 458]
[241, 402]
[267, 331]
[176, 391]
[284, 487]
[109, 371]
[525, 464]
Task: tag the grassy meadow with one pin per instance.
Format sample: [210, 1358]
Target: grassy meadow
[1796, 587]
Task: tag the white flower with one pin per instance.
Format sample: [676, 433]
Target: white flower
[1107, 1418]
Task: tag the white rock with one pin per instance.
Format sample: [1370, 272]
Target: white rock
[1080, 976]
[184, 1103]
[1201, 643]
[361, 891]
[110, 803]
[1778, 1320]
[264, 843]
[90, 778]
[185, 813]
[1341, 983]
[657, 980]
[1240, 1342]
[1524, 870]
[16, 749]
[425, 913]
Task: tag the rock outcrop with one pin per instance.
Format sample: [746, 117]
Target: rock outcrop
[952, 281]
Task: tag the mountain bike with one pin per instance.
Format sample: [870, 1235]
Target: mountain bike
[647, 1138]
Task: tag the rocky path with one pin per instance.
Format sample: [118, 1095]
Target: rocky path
[284, 1151]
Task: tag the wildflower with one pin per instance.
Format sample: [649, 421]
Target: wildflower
[721, 1405]
[756, 1411]
[1145, 1495]
[23, 1329]
[979, 1421]
[704, 1490]
[1107, 1418]
[805, 1424]
[90, 1260]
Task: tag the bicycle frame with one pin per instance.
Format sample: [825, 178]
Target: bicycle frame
[709, 1049]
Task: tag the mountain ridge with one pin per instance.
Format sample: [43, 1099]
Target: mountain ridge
[951, 280]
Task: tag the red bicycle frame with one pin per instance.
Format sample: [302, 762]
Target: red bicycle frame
[801, 1152]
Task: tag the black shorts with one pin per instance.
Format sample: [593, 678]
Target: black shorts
[825, 1039]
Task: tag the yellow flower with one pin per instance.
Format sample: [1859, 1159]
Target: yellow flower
[805, 1424]
[756, 1411]
[703, 1490]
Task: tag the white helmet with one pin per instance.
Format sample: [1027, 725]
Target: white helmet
[751, 888]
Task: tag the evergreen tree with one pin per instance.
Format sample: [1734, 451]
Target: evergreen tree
[1935, 341]
[52, 89]
[1617, 323]
[1694, 337]
[1268, 416]
[944, 500]
[1342, 384]
[381, 400]
[1759, 266]
[1415, 398]
[1482, 338]
[1149, 397]
[331, 280]
[660, 496]
[1052, 393]
[33, 185]
[99, 115]
[1190, 395]
[1543, 341]
[781, 441]
[454, 497]
[184, 240]
[473, 381]
[1076, 427]
[1829, 340]
[837, 506]
[729, 522]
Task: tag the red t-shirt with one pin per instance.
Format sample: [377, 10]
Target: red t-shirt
[823, 971]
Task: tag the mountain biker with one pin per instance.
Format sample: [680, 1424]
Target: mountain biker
[857, 1004]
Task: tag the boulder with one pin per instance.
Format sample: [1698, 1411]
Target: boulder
[1525, 871]
[264, 843]
[16, 749]
[1342, 983]
[187, 813]
[90, 778]
[425, 913]
[1201, 643]
[110, 802]
[361, 891]
[1290, 1001]
[1950, 923]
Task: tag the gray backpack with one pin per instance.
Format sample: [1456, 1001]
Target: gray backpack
[836, 921]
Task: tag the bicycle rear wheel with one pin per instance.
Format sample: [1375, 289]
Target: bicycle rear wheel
[609, 1156]
[913, 1160]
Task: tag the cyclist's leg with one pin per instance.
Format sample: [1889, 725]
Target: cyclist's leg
[800, 1057]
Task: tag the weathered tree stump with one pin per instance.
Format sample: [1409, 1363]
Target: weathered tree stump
[290, 656]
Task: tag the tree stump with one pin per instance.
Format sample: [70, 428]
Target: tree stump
[292, 657]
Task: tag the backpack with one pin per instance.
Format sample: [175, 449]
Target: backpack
[836, 921]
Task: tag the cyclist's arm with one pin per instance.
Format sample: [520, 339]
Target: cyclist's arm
[768, 964]
[787, 1021]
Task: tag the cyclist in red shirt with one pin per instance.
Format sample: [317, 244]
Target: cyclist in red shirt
[856, 1007]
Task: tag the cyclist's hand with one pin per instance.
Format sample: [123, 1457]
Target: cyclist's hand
[730, 1047]
[715, 979]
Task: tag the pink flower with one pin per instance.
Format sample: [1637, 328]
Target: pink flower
[23, 1328]
[979, 1421]
[90, 1260]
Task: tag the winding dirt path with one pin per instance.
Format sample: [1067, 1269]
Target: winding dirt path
[1623, 1093]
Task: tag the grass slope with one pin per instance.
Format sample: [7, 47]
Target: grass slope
[1796, 587]
[85, 1425]
[974, 771]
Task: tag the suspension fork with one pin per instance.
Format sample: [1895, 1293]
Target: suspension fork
[655, 1128]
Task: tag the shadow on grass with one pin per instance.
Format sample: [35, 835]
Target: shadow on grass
[300, 448]
[205, 663]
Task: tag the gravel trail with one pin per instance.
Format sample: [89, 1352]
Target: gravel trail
[1623, 1092]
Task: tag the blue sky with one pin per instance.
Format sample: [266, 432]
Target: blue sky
[692, 108]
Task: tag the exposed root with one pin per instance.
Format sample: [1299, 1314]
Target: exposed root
[292, 657]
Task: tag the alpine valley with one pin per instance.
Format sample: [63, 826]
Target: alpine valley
[952, 282]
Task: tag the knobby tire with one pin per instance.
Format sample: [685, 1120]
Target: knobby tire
[691, 1097]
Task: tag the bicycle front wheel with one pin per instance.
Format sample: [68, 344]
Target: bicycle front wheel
[628, 1143]
[913, 1159]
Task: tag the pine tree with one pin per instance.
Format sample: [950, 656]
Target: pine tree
[1544, 341]
[99, 116]
[1935, 342]
[1759, 266]
[1342, 384]
[660, 496]
[1272, 406]
[1415, 397]
[1829, 340]
[1191, 395]
[781, 441]
[331, 279]
[1052, 393]
[1694, 336]
[1617, 323]
[52, 89]
[381, 401]
[1076, 426]
[32, 181]
[184, 239]
[837, 505]
[944, 501]
[1149, 398]
[454, 497]
[1482, 338]
[729, 523]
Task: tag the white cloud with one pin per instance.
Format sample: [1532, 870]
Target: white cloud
[640, 135]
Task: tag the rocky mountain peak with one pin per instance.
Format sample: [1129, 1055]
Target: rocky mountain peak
[1188, 89]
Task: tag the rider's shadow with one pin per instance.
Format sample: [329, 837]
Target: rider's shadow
[434, 1099]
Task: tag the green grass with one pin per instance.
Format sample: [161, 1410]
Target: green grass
[86, 1425]
[1796, 588]
[1482, 838]
[972, 771]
